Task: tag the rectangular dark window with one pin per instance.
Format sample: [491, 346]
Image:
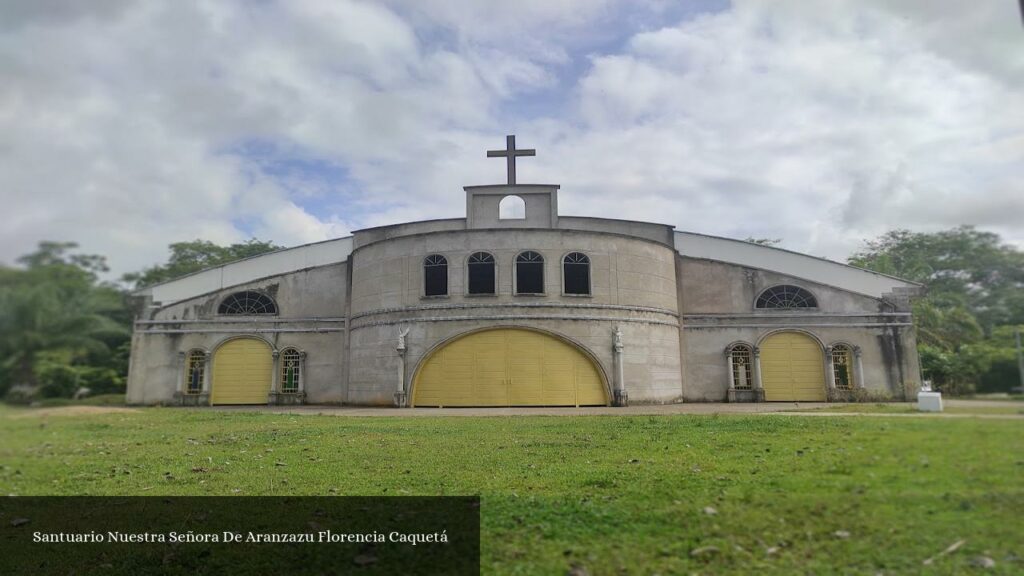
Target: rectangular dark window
[436, 279]
[530, 277]
[481, 278]
[577, 278]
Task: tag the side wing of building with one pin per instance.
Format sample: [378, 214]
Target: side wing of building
[770, 306]
[280, 319]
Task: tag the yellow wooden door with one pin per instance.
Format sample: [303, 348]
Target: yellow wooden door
[242, 371]
[508, 367]
[792, 368]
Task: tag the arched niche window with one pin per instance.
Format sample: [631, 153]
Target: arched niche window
[785, 297]
[435, 275]
[481, 273]
[576, 273]
[512, 208]
[291, 370]
[842, 366]
[248, 303]
[740, 362]
[195, 371]
[529, 273]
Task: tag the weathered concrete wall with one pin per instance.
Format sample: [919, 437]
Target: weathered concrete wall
[541, 206]
[376, 234]
[311, 317]
[661, 233]
[717, 287]
[633, 285]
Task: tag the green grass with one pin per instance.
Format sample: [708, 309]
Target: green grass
[1011, 408]
[614, 494]
[99, 400]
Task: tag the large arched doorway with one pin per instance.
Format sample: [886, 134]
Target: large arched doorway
[792, 368]
[508, 367]
[242, 371]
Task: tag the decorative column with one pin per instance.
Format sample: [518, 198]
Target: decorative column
[732, 369]
[621, 398]
[181, 371]
[179, 394]
[758, 387]
[858, 369]
[302, 375]
[400, 394]
[204, 396]
[731, 393]
[275, 378]
[830, 375]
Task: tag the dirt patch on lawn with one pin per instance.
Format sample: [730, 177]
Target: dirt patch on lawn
[72, 411]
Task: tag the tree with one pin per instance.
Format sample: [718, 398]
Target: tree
[764, 241]
[975, 288]
[55, 307]
[188, 257]
[962, 267]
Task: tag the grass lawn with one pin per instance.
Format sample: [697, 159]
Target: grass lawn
[614, 494]
[1010, 408]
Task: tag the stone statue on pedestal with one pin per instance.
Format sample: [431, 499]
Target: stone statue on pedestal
[402, 333]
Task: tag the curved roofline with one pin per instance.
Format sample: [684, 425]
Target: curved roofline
[795, 253]
[672, 226]
[491, 230]
[354, 232]
[254, 256]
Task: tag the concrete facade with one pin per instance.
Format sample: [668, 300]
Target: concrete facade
[658, 322]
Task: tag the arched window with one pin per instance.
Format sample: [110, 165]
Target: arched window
[291, 371]
[195, 370]
[435, 275]
[576, 273]
[842, 366]
[512, 208]
[786, 296]
[529, 273]
[740, 363]
[481, 273]
[247, 303]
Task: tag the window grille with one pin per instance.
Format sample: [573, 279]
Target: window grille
[842, 367]
[529, 273]
[576, 273]
[290, 371]
[195, 369]
[742, 373]
[247, 303]
[784, 297]
[435, 275]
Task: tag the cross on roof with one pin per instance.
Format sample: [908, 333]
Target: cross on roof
[510, 154]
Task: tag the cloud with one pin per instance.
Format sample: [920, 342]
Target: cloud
[128, 126]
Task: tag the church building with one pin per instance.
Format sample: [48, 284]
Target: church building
[518, 305]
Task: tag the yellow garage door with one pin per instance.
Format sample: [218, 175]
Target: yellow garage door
[792, 368]
[241, 372]
[508, 367]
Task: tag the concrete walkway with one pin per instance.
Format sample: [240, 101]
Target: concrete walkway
[780, 408]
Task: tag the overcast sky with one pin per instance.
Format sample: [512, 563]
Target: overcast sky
[126, 126]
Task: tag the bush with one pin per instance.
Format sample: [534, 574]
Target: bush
[57, 381]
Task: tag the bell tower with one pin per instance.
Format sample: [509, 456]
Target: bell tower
[512, 205]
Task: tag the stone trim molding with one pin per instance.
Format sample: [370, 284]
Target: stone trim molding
[803, 325]
[760, 315]
[238, 330]
[516, 305]
[238, 321]
[515, 317]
